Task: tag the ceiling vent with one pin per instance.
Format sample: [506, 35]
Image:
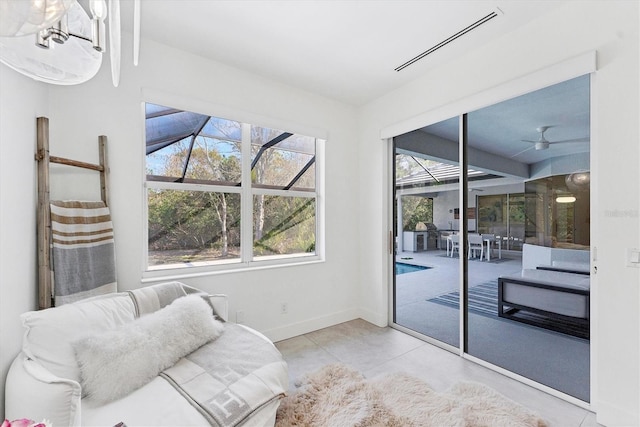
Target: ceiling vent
[448, 40]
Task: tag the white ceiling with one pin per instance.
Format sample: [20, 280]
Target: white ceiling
[501, 128]
[345, 50]
[348, 50]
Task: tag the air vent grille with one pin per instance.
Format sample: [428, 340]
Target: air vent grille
[448, 40]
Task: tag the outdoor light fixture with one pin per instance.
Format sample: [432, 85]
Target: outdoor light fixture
[565, 199]
[541, 145]
[79, 39]
[578, 181]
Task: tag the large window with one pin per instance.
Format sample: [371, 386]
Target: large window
[558, 213]
[221, 192]
[504, 216]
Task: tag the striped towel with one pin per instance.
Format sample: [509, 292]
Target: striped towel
[83, 250]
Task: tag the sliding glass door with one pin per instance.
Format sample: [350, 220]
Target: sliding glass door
[427, 221]
[521, 263]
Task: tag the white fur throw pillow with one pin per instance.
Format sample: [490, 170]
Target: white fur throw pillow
[121, 360]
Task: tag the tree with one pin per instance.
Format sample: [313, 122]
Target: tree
[188, 219]
[208, 164]
[277, 167]
[199, 220]
[416, 209]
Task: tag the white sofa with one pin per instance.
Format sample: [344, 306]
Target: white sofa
[46, 381]
[534, 256]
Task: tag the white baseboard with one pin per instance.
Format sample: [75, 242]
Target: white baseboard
[611, 414]
[378, 319]
[310, 325]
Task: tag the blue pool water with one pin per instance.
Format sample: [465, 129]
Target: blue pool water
[402, 268]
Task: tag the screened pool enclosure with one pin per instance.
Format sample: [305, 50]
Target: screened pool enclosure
[222, 191]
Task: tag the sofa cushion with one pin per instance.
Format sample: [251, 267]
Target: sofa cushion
[116, 362]
[49, 333]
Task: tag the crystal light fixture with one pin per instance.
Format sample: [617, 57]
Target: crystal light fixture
[23, 17]
[98, 31]
[70, 60]
[65, 22]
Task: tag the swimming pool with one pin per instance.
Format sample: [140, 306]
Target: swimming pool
[402, 268]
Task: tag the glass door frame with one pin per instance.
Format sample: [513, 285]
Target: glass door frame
[463, 284]
[566, 70]
[394, 230]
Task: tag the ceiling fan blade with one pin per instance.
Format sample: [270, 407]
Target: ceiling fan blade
[585, 139]
[520, 152]
[528, 140]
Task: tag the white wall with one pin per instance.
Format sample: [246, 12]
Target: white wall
[21, 102]
[443, 205]
[611, 28]
[446, 201]
[318, 295]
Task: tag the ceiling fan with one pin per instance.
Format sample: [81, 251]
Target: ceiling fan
[543, 143]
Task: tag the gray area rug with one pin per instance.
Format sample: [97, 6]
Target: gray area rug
[483, 299]
[339, 396]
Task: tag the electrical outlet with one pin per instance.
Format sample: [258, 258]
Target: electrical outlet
[284, 308]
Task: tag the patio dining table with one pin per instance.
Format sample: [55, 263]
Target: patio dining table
[489, 241]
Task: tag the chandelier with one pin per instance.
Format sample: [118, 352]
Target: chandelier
[56, 41]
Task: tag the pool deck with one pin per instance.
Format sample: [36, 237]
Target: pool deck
[517, 347]
[443, 277]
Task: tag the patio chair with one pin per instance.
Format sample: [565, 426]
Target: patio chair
[455, 244]
[475, 245]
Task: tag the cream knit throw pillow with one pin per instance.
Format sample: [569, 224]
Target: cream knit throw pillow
[116, 362]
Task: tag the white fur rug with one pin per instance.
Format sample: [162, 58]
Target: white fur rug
[337, 396]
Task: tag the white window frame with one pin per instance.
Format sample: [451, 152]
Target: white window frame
[247, 193]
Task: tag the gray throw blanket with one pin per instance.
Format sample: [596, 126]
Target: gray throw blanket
[83, 252]
[227, 379]
[152, 298]
[231, 377]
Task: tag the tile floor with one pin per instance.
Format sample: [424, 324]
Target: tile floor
[374, 351]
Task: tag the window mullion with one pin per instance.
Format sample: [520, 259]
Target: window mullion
[283, 193]
[246, 223]
[192, 187]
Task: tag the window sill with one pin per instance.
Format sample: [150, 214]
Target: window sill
[168, 274]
